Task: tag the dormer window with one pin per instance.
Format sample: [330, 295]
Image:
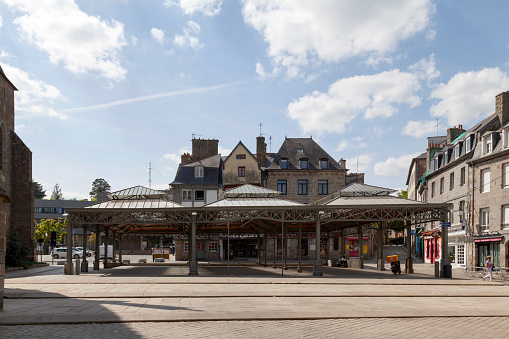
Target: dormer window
[284, 163]
[198, 171]
[457, 151]
[468, 144]
[487, 144]
[506, 137]
[324, 164]
[304, 164]
[300, 150]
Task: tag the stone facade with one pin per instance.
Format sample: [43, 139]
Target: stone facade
[241, 167]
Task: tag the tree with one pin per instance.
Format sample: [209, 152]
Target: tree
[99, 185]
[39, 193]
[403, 194]
[57, 193]
[46, 226]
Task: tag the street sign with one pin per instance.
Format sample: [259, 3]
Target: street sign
[446, 224]
[412, 232]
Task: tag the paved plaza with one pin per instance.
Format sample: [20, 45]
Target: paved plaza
[253, 301]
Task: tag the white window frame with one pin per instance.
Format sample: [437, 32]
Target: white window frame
[487, 144]
[187, 195]
[485, 181]
[457, 152]
[506, 137]
[463, 176]
[484, 219]
[324, 164]
[199, 171]
[460, 254]
[505, 217]
[505, 175]
[451, 181]
[468, 144]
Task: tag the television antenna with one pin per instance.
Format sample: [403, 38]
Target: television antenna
[194, 135]
[437, 127]
[150, 168]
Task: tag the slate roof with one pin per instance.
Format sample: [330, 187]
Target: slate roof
[137, 192]
[134, 204]
[250, 191]
[212, 172]
[250, 195]
[311, 151]
[355, 190]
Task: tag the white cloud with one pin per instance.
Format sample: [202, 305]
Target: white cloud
[134, 40]
[189, 38]
[70, 195]
[83, 43]
[419, 129]
[224, 151]
[342, 145]
[35, 97]
[302, 32]
[357, 142]
[189, 7]
[394, 166]
[172, 157]
[425, 68]
[157, 34]
[364, 160]
[374, 95]
[469, 97]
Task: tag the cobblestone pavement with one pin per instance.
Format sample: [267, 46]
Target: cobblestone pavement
[452, 327]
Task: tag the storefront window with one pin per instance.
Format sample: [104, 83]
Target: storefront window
[212, 246]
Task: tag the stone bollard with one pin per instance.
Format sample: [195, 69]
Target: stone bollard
[437, 269]
[78, 267]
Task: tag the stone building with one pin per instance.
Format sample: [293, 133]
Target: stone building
[302, 171]
[241, 167]
[16, 191]
[470, 169]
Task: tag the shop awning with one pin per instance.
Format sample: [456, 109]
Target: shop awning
[488, 239]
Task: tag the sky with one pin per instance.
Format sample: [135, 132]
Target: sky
[109, 89]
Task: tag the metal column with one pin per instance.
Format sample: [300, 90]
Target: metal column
[84, 263]
[409, 266]
[97, 248]
[193, 265]
[299, 249]
[360, 244]
[380, 247]
[317, 270]
[105, 248]
[68, 267]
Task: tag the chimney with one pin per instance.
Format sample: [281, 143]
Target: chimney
[186, 159]
[204, 148]
[453, 133]
[502, 107]
[261, 150]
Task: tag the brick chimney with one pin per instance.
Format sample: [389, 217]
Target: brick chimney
[204, 148]
[453, 133]
[186, 159]
[261, 150]
[502, 107]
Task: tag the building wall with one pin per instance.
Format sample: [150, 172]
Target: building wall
[231, 165]
[335, 179]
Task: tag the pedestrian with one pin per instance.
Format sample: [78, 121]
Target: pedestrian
[488, 267]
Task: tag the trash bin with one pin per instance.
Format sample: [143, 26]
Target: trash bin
[447, 271]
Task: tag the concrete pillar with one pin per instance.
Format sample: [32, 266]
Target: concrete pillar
[380, 266]
[193, 264]
[105, 262]
[84, 264]
[265, 248]
[275, 248]
[68, 267]
[299, 250]
[360, 243]
[97, 247]
[317, 269]
[120, 248]
[409, 266]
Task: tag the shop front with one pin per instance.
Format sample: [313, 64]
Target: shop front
[488, 245]
[352, 246]
[432, 246]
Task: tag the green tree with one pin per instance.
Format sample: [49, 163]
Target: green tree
[57, 193]
[46, 226]
[39, 193]
[403, 194]
[99, 185]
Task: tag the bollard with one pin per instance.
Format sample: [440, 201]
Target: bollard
[437, 269]
[78, 267]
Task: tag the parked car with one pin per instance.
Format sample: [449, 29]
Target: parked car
[89, 252]
[61, 252]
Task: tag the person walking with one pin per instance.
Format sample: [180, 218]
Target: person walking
[488, 267]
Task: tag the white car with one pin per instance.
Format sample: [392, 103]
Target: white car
[61, 252]
[89, 252]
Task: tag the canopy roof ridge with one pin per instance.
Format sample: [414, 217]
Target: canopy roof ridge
[137, 193]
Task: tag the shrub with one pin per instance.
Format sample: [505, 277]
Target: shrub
[16, 252]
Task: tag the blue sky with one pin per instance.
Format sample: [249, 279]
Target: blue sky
[106, 87]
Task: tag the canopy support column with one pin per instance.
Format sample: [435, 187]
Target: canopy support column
[284, 243]
[275, 247]
[193, 265]
[68, 267]
[84, 263]
[120, 248]
[97, 248]
[299, 249]
[343, 242]
[409, 265]
[265, 248]
[360, 242]
[258, 248]
[105, 262]
[317, 270]
[228, 249]
[446, 266]
[380, 266]
[114, 247]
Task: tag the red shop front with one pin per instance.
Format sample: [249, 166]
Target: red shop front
[353, 246]
[432, 246]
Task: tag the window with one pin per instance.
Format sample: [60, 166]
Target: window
[324, 164]
[187, 195]
[432, 189]
[505, 176]
[281, 186]
[485, 181]
[304, 164]
[457, 151]
[462, 210]
[460, 255]
[199, 195]
[37, 209]
[485, 219]
[212, 246]
[284, 163]
[323, 187]
[506, 137]
[462, 176]
[505, 216]
[435, 163]
[300, 150]
[451, 181]
[241, 156]
[468, 144]
[442, 184]
[487, 144]
[198, 171]
[242, 171]
[302, 187]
